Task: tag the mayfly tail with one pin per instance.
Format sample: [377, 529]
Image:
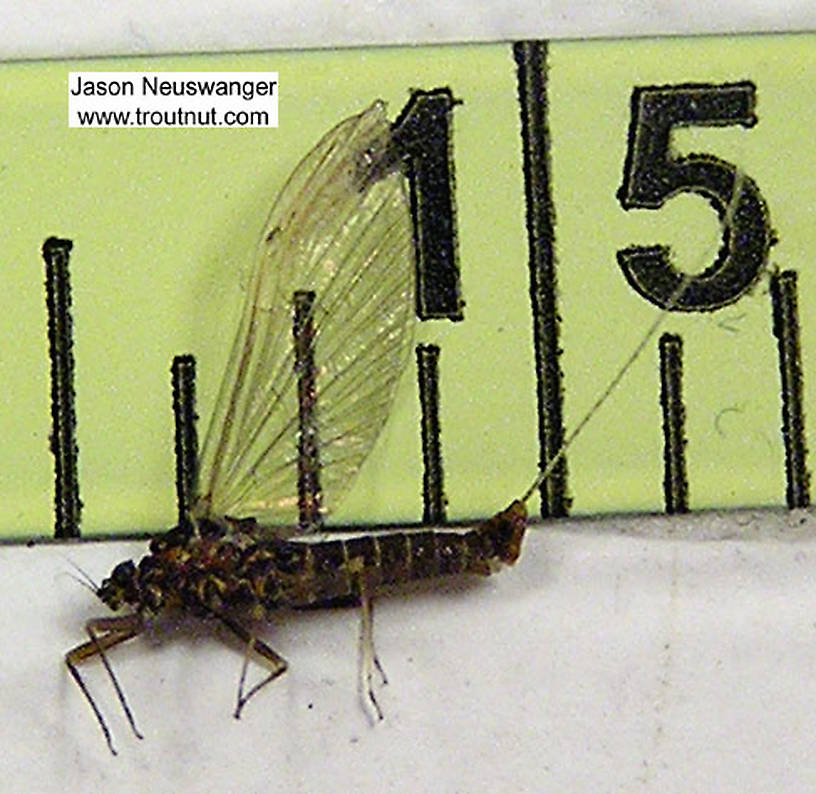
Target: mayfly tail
[672, 302]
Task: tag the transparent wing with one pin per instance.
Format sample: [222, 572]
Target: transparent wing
[341, 227]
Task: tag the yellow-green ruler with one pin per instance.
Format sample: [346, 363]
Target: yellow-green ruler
[563, 195]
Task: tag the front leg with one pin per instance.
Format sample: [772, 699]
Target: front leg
[105, 633]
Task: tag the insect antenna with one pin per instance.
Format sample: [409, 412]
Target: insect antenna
[81, 581]
[84, 577]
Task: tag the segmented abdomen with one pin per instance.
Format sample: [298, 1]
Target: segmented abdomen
[298, 573]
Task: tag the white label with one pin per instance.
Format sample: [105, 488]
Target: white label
[173, 99]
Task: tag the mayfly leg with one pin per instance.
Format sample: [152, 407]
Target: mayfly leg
[105, 633]
[276, 663]
[368, 654]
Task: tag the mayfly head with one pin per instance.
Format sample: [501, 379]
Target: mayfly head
[121, 587]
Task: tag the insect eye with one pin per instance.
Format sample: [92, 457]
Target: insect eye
[123, 573]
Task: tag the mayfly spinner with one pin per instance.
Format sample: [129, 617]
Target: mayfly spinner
[340, 232]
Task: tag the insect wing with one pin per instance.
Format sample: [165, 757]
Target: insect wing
[342, 228]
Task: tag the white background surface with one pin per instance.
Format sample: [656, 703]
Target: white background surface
[603, 662]
[49, 28]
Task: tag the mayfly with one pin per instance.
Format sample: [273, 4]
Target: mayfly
[340, 231]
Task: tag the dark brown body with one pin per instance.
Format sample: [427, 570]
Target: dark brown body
[219, 568]
[232, 568]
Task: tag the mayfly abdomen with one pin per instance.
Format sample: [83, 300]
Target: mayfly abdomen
[312, 573]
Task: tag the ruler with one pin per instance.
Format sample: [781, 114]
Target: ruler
[588, 178]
